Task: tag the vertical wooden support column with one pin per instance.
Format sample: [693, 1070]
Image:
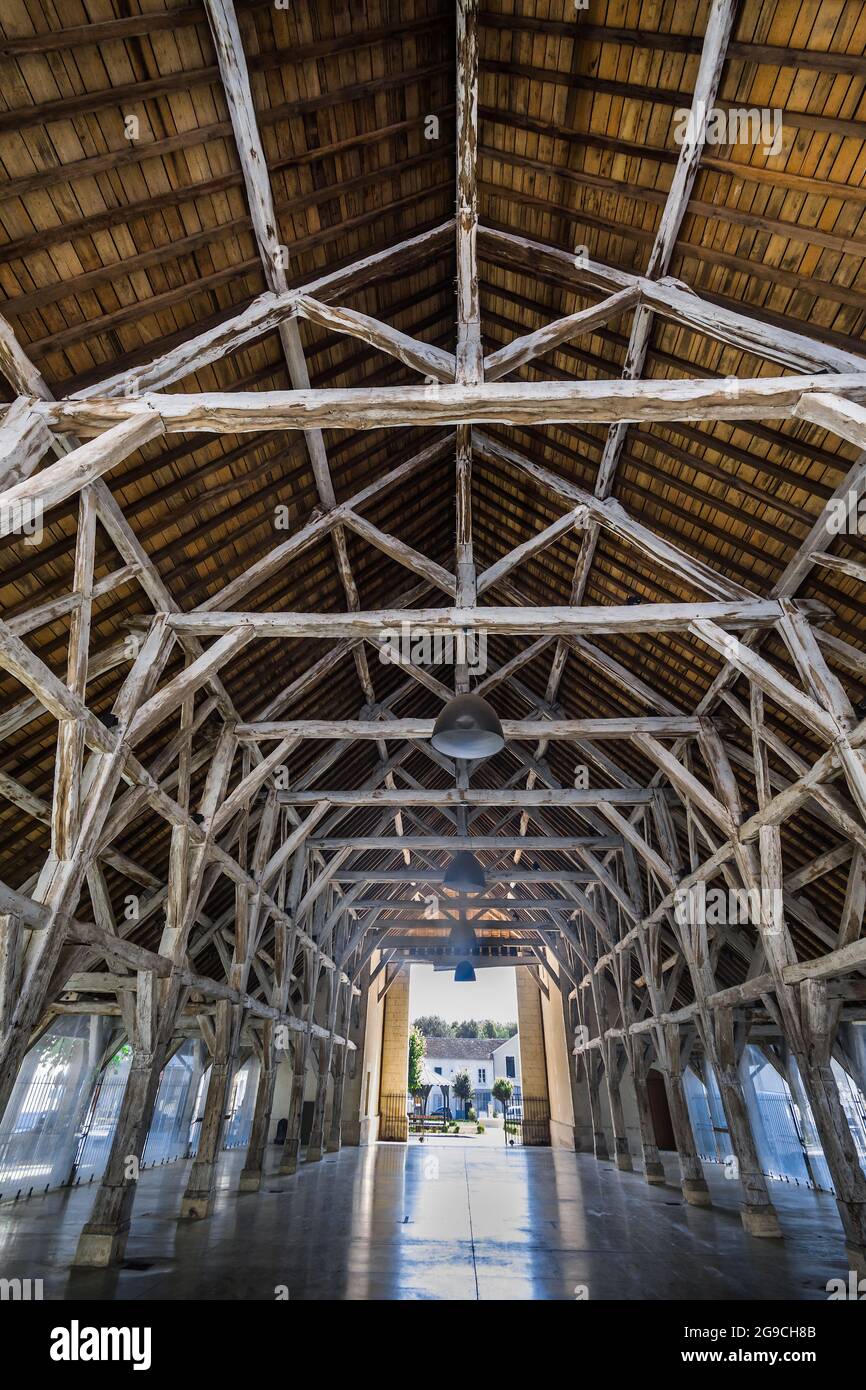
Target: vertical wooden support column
[667, 1037]
[325, 1052]
[11, 962]
[757, 1212]
[610, 1061]
[819, 1016]
[653, 1169]
[251, 1175]
[393, 1088]
[315, 1146]
[716, 1029]
[292, 1145]
[594, 1066]
[334, 1129]
[198, 1197]
[692, 1180]
[103, 1238]
[353, 1079]
[583, 1124]
[339, 1063]
[635, 1049]
[285, 940]
[302, 1043]
[612, 1078]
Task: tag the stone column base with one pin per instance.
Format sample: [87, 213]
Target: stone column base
[99, 1246]
[288, 1167]
[654, 1174]
[624, 1163]
[600, 1148]
[857, 1259]
[333, 1146]
[196, 1206]
[696, 1192]
[761, 1221]
[250, 1180]
[314, 1155]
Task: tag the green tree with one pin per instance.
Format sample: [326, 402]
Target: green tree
[462, 1088]
[491, 1029]
[432, 1026]
[502, 1090]
[417, 1048]
[467, 1029]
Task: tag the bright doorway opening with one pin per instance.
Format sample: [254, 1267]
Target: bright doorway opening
[470, 1042]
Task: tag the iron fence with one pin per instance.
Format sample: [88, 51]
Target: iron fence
[535, 1125]
[394, 1116]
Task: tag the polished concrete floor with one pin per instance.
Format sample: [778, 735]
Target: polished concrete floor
[449, 1219]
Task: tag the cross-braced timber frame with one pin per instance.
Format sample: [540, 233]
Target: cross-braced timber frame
[608, 910]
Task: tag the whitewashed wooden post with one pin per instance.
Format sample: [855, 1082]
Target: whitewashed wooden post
[103, 1238]
[610, 1061]
[692, 1180]
[667, 1036]
[635, 1049]
[197, 1201]
[157, 1006]
[325, 1053]
[302, 1043]
[339, 1070]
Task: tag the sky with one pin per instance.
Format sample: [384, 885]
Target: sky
[494, 994]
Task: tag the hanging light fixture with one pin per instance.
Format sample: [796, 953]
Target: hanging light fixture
[465, 875]
[462, 938]
[468, 727]
[462, 942]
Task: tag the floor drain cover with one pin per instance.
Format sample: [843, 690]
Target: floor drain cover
[137, 1264]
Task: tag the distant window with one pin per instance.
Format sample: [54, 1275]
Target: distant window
[438, 1071]
[509, 1066]
[482, 1075]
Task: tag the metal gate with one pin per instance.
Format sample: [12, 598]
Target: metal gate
[536, 1121]
[529, 1122]
[394, 1117]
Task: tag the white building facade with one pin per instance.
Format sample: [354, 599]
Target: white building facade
[485, 1059]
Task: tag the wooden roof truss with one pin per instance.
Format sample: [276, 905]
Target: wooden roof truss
[605, 912]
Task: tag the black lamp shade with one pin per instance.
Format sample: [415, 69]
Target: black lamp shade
[464, 875]
[468, 727]
[464, 974]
